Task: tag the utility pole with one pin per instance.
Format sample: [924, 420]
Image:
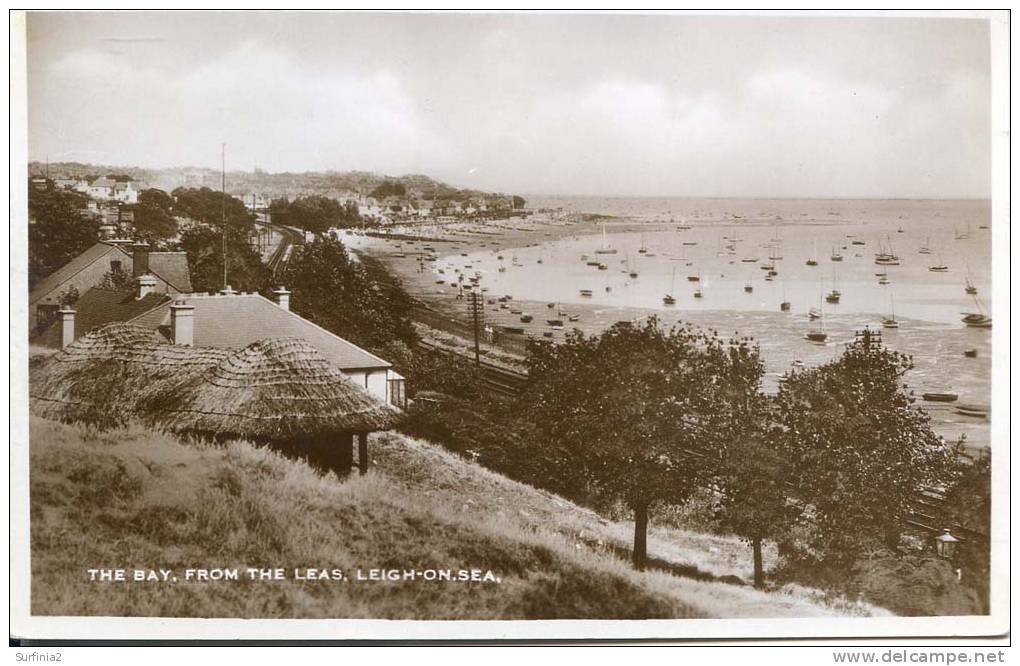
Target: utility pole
[223, 207]
[477, 313]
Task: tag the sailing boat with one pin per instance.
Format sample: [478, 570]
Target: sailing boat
[939, 267]
[833, 296]
[886, 257]
[632, 271]
[836, 256]
[813, 261]
[890, 321]
[605, 249]
[669, 299]
[643, 249]
[977, 319]
[784, 306]
[970, 288]
[818, 335]
[926, 248]
[697, 292]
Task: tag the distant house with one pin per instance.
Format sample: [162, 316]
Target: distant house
[228, 320]
[87, 270]
[114, 188]
[40, 183]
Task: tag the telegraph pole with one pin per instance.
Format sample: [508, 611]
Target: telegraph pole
[476, 304]
[223, 207]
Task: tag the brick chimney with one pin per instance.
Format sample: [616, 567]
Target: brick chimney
[139, 258]
[146, 285]
[182, 323]
[66, 326]
[282, 297]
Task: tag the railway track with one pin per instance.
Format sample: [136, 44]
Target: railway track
[497, 379]
[289, 238]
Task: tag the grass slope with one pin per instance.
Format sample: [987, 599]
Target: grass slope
[133, 498]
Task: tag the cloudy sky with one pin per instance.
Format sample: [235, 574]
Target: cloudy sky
[567, 104]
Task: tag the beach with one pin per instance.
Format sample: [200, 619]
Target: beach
[650, 248]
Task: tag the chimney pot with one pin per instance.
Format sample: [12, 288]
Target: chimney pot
[139, 258]
[282, 297]
[182, 323]
[66, 327]
[146, 285]
[227, 291]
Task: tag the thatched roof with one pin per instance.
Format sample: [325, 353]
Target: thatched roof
[279, 388]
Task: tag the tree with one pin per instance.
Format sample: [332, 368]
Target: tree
[204, 245]
[518, 202]
[754, 496]
[210, 207]
[316, 214]
[389, 188]
[116, 278]
[356, 300]
[57, 231]
[643, 413]
[153, 214]
[859, 451]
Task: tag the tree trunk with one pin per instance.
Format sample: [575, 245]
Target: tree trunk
[759, 574]
[640, 536]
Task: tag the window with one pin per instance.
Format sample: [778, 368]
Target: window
[397, 390]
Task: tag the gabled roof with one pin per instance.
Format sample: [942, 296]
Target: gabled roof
[236, 321]
[104, 181]
[172, 268]
[72, 268]
[98, 307]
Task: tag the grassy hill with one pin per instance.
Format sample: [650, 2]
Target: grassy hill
[133, 498]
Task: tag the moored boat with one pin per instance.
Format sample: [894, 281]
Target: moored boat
[939, 396]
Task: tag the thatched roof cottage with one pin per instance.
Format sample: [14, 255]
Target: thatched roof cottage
[277, 391]
[228, 320]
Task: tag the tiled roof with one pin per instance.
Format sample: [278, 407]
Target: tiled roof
[237, 321]
[98, 307]
[172, 268]
[72, 268]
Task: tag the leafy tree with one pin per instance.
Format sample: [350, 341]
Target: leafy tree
[519, 202]
[157, 198]
[204, 245]
[389, 188]
[754, 496]
[643, 413]
[57, 231]
[153, 213]
[356, 300]
[211, 207]
[116, 278]
[859, 452]
[316, 214]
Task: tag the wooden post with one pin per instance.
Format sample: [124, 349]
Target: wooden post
[759, 574]
[640, 536]
[362, 452]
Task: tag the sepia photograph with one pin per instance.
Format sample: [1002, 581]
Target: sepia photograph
[509, 317]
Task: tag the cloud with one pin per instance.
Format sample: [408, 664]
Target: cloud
[259, 100]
